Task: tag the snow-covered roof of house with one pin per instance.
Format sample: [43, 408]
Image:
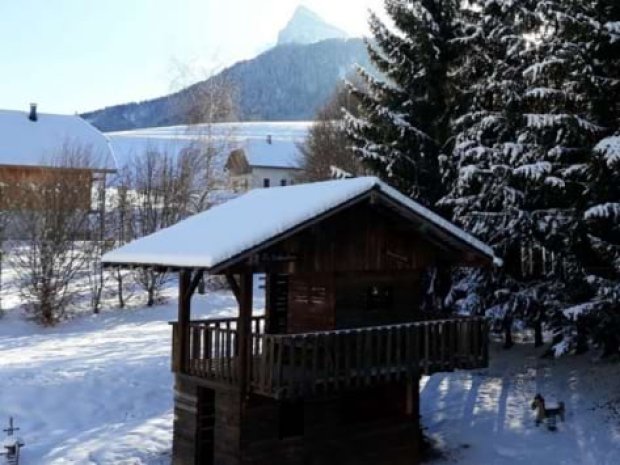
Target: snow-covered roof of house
[251, 137]
[24, 142]
[228, 231]
[274, 154]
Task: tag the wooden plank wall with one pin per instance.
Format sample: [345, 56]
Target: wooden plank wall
[362, 238]
[18, 181]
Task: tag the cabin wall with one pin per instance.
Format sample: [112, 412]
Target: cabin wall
[366, 427]
[19, 186]
[327, 301]
[361, 238]
[362, 267]
[311, 302]
[368, 299]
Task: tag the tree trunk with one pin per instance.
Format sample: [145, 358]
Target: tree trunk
[151, 299]
[507, 326]
[538, 332]
[582, 337]
[151, 289]
[201, 285]
[121, 298]
[611, 345]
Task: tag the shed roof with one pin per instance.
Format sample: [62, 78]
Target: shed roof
[36, 143]
[243, 225]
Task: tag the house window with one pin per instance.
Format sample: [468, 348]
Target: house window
[283, 182]
[266, 182]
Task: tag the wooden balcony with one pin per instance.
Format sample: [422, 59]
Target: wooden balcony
[308, 364]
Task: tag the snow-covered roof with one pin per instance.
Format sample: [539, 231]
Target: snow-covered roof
[227, 231]
[274, 154]
[36, 143]
[280, 130]
[251, 137]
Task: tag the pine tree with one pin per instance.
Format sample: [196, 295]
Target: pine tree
[403, 129]
[601, 219]
[499, 176]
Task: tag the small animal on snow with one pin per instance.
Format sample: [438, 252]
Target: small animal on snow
[547, 414]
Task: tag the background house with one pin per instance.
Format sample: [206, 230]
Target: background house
[38, 147]
[263, 163]
[246, 154]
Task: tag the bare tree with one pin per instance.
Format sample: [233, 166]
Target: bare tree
[326, 148]
[98, 241]
[157, 192]
[206, 97]
[51, 213]
[4, 218]
[210, 101]
[119, 227]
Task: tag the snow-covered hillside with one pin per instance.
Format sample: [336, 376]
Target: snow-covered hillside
[98, 391]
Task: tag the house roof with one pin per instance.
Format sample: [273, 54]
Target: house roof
[37, 143]
[251, 137]
[275, 154]
[243, 225]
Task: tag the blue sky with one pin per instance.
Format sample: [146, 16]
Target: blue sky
[79, 55]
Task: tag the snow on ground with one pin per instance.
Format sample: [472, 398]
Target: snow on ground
[97, 390]
[484, 417]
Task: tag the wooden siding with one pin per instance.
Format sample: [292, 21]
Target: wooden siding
[364, 237]
[21, 186]
[369, 426]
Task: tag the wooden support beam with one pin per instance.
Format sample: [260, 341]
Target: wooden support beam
[184, 316]
[195, 281]
[245, 331]
[234, 287]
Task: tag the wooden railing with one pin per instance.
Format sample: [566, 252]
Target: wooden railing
[213, 347]
[297, 365]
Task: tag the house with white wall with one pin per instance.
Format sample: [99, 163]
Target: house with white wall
[263, 163]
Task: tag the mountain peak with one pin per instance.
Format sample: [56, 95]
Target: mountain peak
[307, 27]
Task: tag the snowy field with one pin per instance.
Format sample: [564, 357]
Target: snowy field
[97, 390]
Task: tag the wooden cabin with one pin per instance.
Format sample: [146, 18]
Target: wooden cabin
[329, 374]
[40, 151]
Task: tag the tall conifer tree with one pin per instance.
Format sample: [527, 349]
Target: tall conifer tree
[403, 129]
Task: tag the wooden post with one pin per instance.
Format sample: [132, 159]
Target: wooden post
[269, 325]
[244, 330]
[184, 319]
[413, 410]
